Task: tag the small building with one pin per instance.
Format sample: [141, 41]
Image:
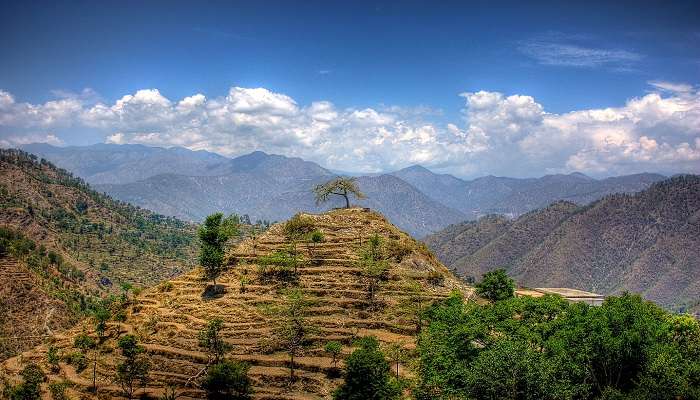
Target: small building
[572, 295]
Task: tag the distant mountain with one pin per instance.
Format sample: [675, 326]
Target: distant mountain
[192, 184]
[647, 242]
[515, 196]
[123, 163]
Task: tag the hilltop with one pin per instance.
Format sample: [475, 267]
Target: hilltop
[647, 242]
[63, 244]
[167, 318]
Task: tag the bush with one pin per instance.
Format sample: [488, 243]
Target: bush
[496, 285]
[228, 380]
[298, 226]
[30, 388]
[58, 390]
[397, 249]
[367, 375]
[77, 360]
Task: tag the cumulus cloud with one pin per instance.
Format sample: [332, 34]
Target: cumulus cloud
[499, 134]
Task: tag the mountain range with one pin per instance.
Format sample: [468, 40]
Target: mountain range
[192, 184]
[647, 242]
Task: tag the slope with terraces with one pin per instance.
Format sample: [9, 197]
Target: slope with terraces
[167, 318]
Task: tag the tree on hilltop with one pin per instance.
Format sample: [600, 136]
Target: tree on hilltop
[340, 186]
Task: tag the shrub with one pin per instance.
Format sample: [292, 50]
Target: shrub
[397, 249]
[367, 375]
[58, 390]
[228, 380]
[298, 226]
[77, 360]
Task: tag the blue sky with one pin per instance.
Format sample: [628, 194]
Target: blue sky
[408, 59]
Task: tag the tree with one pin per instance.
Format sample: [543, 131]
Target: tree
[374, 265]
[30, 387]
[316, 237]
[228, 380]
[132, 373]
[213, 234]
[367, 375]
[413, 305]
[101, 314]
[334, 348]
[210, 338]
[496, 285]
[294, 327]
[396, 353]
[340, 186]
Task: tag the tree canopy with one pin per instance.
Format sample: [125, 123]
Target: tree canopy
[340, 186]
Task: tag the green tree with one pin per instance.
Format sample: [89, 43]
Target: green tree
[132, 372]
[340, 186]
[334, 348]
[101, 314]
[52, 357]
[496, 285]
[213, 235]
[30, 387]
[367, 375]
[228, 380]
[374, 265]
[294, 326]
[316, 237]
[396, 353]
[210, 339]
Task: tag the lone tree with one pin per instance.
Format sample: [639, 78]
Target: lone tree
[340, 186]
[374, 265]
[496, 285]
[210, 339]
[294, 327]
[132, 373]
[213, 235]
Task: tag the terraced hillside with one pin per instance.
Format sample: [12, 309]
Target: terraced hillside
[167, 319]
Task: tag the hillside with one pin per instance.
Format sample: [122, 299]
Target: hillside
[71, 242]
[167, 318]
[648, 242]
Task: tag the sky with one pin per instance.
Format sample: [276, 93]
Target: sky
[468, 88]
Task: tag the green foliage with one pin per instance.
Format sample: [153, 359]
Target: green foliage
[213, 234]
[340, 186]
[210, 339]
[84, 342]
[228, 380]
[52, 357]
[316, 236]
[334, 348]
[298, 226]
[374, 264]
[78, 360]
[546, 348]
[367, 375]
[496, 285]
[132, 373]
[29, 388]
[58, 390]
[293, 327]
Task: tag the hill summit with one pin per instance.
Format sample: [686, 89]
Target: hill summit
[342, 302]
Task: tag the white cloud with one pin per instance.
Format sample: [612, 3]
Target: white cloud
[501, 134]
[558, 49]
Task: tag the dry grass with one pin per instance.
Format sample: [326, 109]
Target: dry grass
[167, 321]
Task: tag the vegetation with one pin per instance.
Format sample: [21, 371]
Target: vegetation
[29, 389]
[228, 380]
[367, 375]
[496, 285]
[213, 234]
[374, 265]
[334, 348]
[132, 373]
[340, 186]
[210, 339]
[546, 348]
[294, 327]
